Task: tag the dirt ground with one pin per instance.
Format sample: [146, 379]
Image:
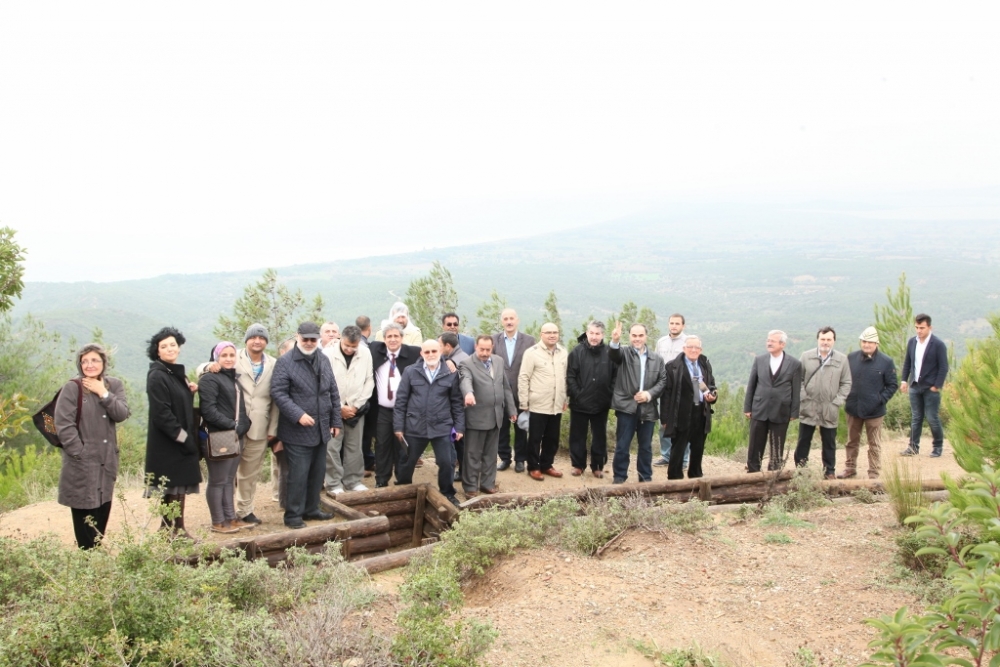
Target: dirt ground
[728, 589]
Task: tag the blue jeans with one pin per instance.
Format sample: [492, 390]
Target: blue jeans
[666, 446]
[628, 426]
[925, 403]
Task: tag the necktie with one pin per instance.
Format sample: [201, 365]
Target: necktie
[392, 374]
[696, 381]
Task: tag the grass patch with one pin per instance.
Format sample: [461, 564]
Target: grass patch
[864, 496]
[776, 516]
[777, 538]
[903, 483]
[695, 656]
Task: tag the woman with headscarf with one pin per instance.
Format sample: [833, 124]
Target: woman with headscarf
[400, 314]
[88, 409]
[223, 409]
[172, 454]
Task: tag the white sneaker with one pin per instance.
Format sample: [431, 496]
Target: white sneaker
[335, 491]
[359, 487]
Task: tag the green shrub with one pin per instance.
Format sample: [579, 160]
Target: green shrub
[971, 400]
[29, 476]
[903, 484]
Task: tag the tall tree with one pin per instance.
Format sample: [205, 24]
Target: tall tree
[489, 314]
[893, 321]
[272, 304]
[11, 270]
[631, 314]
[971, 400]
[430, 297]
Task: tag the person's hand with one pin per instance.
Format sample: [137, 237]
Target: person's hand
[347, 412]
[642, 397]
[334, 431]
[193, 386]
[94, 386]
[399, 436]
[616, 334]
[458, 436]
[470, 399]
[214, 367]
[935, 389]
[306, 420]
[903, 387]
[747, 415]
[451, 365]
[513, 419]
[278, 447]
[711, 397]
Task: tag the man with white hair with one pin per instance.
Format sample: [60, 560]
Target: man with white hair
[873, 383]
[772, 401]
[329, 332]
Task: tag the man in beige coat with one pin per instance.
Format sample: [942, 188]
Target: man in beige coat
[826, 382]
[352, 368]
[253, 372]
[541, 391]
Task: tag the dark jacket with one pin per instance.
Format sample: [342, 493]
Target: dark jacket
[589, 377]
[218, 396]
[90, 452]
[524, 341]
[407, 356]
[304, 384]
[426, 410]
[677, 401]
[933, 368]
[626, 361]
[873, 383]
[774, 398]
[171, 410]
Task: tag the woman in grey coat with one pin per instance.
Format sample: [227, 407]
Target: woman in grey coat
[90, 443]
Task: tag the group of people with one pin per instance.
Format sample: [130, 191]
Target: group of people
[338, 406]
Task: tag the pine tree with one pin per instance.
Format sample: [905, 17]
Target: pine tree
[11, 269]
[272, 304]
[429, 298]
[489, 314]
[971, 400]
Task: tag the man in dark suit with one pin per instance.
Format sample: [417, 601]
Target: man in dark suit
[305, 390]
[686, 407]
[389, 359]
[429, 410]
[450, 323]
[489, 405]
[772, 401]
[926, 363]
[511, 345]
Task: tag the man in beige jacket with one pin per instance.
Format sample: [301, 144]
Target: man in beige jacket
[253, 372]
[352, 368]
[541, 390]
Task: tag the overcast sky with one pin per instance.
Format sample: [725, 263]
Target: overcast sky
[134, 135]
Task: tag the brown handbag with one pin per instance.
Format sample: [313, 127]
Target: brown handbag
[224, 445]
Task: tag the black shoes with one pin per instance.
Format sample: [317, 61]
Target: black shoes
[458, 475]
[454, 500]
[295, 524]
[519, 466]
[251, 518]
[503, 465]
[318, 516]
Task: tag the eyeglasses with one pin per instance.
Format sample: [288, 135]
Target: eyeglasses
[550, 332]
[310, 340]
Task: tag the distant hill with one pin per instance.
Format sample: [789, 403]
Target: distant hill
[734, 272]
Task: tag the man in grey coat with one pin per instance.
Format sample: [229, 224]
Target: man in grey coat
[826, 382]
[772, 401]
[305, 390]
[489, 405]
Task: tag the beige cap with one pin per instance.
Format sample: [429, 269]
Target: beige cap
[870, 335]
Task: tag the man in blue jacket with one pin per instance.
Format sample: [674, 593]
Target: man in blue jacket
[429, 409]
[926, 364]
[305, 391]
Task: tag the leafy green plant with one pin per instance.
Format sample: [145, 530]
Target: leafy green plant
[864, 496]
[971, 400]
[775, 516]
[695, 656]
[804, 492]
[964, 628]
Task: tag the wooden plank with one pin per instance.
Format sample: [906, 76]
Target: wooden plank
[340, 509]
[397, 521]
[390, 561]
[389, 507]
[418, 517]
[321, 533]
[364, 545]
[447, 511]
[384, 494]
[398, 538]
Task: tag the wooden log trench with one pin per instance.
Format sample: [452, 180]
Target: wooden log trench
[376, 564]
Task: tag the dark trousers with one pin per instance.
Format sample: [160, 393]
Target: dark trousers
[444, 453]
[579, 422]
[520, 443]
[828, 438]
[695, 437]
[627, 427]
[87, 535]
[368, 436]
[925, 403]
[543, 440]
[306, 469]
[388, 450]
[761, 433]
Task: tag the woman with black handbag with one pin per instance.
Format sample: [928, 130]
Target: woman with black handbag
[225, 417]
[87, 411]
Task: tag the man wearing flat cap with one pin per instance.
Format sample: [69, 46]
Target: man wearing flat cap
[873, 383]
[305, 390]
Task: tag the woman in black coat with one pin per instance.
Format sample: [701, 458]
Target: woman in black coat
[223, 409]
[171, 440]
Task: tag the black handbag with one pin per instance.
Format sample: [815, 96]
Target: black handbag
[45, 419]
